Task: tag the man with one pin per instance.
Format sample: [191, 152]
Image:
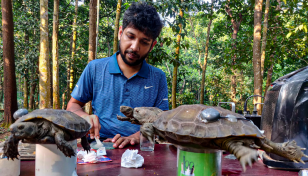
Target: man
[123, 79]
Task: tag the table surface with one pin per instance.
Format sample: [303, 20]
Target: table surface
[160, 162]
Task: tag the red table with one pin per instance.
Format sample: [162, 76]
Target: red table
[160, 162]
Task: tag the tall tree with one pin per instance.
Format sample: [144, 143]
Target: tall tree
[264, 38]
[116, 27]
[34, 74]
[10, 97]
[236, 26]
[203, 65]
[26, 92]
[176, 64]
[55, 57]
[92, 40]
[44, 65]
[92, 30]
[1, 87]
[257, 52]
[73, 49]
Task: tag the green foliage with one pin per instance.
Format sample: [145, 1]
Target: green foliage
[286, 45]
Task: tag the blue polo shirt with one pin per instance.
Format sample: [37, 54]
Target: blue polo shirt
[103, 83]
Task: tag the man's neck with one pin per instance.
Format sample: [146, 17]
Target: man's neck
[127, 70]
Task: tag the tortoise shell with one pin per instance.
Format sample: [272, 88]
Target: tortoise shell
[69, 121]
[184, 124]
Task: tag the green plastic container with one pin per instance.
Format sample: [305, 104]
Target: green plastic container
[199, 162]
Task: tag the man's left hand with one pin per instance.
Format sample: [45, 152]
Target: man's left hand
[121, 142]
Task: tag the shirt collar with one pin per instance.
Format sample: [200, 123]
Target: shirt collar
[113, 64]
[114, 67]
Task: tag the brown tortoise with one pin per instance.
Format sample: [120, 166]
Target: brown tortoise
[47, 126]
[200, 126]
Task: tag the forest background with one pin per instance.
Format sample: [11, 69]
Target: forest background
[211, 51]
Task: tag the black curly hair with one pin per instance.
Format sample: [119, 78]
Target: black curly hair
[143, 17]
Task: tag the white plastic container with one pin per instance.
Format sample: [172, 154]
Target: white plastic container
[9, 167]
[50, 161]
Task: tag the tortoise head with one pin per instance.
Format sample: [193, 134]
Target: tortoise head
[139, 115]
[127, 111]
[23, 130]
[146, 114]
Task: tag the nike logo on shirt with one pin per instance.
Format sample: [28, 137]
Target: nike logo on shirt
[145, 87]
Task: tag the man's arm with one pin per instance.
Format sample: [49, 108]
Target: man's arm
[76, 106]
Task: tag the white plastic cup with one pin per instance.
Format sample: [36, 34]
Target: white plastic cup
[50, 161]
[145, 144]
[9, 167]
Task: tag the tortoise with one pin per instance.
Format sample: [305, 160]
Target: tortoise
[199, 127]
[47, 126]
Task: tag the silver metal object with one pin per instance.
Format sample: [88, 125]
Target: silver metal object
[232, 104]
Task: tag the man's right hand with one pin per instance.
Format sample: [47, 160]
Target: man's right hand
[95, 125]
[76, 107]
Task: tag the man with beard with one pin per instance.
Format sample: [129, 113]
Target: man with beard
[123, 79]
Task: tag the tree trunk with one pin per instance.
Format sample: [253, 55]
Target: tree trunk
[257, 53]
[1, 89]
[19, 85]
[236, 26]
[202, 91]
[55, 57]
[267, 6]
[108, 43]
[68, 95]
[1, 72]
[34, 78]
[37, 97]
[97, 28]
[63, 101]
[92, 30]
[10, 97]
[33, 88]
[176, 65]
[73, 49]
[44, 88]
[50, 67]
[269, 78]
[32, 94]
[25, 105]
[116, 27]
[92, 41]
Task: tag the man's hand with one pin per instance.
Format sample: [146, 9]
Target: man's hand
[121, 142]
[75, 106]
[95, 125]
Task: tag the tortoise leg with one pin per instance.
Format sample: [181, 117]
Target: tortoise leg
[63, 145]
[10, 148]
[147, 131]
[245, 155]
[289, 150]
[85, 144]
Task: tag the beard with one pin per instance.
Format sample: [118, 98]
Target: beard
[137, 62]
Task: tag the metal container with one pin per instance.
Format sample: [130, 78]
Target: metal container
[285, 116]
[199, 162]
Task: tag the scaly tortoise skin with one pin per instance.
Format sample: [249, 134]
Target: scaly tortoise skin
[190, 126]
[47, 126]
